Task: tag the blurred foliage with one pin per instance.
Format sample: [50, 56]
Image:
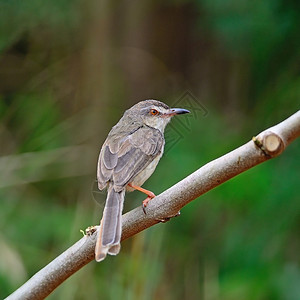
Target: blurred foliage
[68, 69]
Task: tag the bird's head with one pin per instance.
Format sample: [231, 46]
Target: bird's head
[155, 114]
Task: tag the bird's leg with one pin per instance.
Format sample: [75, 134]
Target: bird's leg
[150, 195]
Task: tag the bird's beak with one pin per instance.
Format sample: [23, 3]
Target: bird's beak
[177, 111]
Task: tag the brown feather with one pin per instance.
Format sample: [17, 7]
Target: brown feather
[132, 155]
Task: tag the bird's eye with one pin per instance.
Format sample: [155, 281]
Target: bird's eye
[153, 112]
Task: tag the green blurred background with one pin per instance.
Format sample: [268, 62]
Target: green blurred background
[68, 70]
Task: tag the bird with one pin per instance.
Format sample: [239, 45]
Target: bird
[128, 157]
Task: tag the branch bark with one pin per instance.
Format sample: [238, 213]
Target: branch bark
[268, 144]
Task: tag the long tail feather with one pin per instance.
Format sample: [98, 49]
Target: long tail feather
[109, 236]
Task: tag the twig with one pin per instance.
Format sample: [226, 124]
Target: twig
[268, 144]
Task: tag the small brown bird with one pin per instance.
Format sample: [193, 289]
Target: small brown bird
[127, 159]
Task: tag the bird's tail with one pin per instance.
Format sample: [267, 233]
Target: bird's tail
[109, 235]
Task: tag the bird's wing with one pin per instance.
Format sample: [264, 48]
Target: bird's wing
[122, 159]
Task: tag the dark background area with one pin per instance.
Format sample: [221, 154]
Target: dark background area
[69, 69]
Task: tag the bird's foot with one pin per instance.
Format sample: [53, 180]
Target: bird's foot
[145, 202]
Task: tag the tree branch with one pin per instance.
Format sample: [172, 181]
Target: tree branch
[268, 144]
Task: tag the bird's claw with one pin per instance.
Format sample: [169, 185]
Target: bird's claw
[145, 202]
[144, 208]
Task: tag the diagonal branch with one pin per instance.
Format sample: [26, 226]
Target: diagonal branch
[268, 144]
